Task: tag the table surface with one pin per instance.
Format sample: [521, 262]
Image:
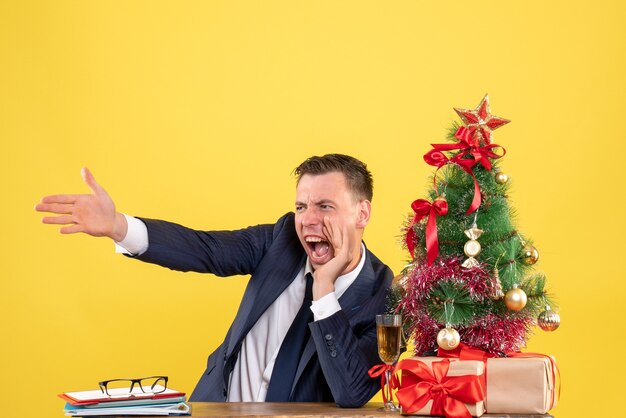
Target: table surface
[296, 410]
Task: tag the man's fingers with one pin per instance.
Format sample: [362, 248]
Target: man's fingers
[333, 233]
[327, 234]
[71, 229]
[65, 219]
[350, 242]
[60, 198]
[326, 230]
[59, 208]
[90, 180]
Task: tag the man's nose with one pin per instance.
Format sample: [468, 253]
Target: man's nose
[310, 217]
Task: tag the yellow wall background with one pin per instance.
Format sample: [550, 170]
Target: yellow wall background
[197, 112]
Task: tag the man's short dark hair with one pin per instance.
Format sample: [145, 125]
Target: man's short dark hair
[358, 177]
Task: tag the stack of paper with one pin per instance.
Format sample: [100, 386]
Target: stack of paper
[167, 402]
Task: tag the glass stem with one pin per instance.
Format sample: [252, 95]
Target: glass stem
[388, 378]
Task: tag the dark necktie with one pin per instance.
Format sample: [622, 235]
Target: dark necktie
[291, 349]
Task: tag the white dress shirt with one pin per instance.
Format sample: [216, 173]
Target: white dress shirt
[251, 374]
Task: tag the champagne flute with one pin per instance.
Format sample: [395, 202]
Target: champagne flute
[389, 333]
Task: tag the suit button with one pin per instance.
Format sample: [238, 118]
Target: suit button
[328, 337]
[330, 343]
[333, 353]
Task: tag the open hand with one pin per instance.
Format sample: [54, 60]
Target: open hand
[93, 214]
[343, 244]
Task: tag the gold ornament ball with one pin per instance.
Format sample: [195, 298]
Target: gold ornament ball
[501, 178]
[448, 338]
[515, 299]
[530, 255]
[472, 248]
[401, 281]
[548, 320]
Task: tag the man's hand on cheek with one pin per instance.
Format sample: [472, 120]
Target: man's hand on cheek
[341, 240]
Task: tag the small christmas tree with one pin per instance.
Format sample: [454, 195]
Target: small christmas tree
[470, 278]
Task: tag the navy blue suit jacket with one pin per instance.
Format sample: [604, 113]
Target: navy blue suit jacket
[342, 347]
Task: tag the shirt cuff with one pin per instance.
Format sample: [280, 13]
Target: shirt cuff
[136, 240]
[325, 306]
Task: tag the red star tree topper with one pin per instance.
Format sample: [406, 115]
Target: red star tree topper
[481, 122]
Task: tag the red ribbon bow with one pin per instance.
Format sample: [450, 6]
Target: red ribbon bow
[471, 147]
[468, 145]
[423, 208]
[420, 384]
[380, 370]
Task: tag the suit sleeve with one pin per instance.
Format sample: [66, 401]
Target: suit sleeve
[223, 253]
[347, 349]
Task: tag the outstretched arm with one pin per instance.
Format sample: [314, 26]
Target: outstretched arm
[93, 214]
[174, 246]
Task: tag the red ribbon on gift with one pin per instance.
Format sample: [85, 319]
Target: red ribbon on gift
[420, 384]
[380, 370]
[423, 208]
[468, 145]
[466, 352]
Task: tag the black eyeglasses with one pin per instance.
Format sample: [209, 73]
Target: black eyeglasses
[126, 387]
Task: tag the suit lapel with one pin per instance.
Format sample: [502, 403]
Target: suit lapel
[277, 270]
[265, 287]
[361, 290]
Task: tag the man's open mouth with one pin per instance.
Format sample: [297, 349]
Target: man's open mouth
[319, 247]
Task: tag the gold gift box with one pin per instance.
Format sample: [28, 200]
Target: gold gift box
[521, 385]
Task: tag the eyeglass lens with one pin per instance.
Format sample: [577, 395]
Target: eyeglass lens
[123, 387]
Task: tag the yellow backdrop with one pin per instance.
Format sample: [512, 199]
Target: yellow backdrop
[197, 112]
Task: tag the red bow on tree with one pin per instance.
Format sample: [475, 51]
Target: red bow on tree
[423, 208]
[468, 146]
[420, 384]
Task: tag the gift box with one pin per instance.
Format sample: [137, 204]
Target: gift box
[521, 385]
[435, 386]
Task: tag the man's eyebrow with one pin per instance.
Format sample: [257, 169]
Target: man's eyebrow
[324, 202]
[317, 202]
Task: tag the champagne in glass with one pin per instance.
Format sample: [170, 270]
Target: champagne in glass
[389, 338]
[389, 335]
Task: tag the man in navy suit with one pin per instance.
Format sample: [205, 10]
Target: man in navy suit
[305, 330]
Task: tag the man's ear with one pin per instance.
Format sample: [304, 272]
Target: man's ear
[364, 212]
